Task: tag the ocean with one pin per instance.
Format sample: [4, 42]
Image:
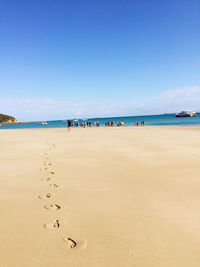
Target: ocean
[165, 119]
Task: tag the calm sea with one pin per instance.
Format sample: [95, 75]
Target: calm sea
[166, 119]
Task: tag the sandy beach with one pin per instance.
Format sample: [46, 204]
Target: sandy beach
[106, 197]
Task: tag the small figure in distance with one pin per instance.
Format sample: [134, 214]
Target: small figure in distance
[69, 124]
[142, 123]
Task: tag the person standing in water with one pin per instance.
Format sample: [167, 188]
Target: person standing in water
[69, 124]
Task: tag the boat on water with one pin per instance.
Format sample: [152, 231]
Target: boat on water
[44, 123]
[186, 113]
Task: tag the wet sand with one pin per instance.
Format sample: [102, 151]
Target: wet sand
[104, 197]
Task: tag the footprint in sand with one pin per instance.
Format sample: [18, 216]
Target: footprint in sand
[52, 224]
[79, 243]
[52, 207]
[70, 242]
[130, 252]
[52, 173]
[46, 163]
[46, 179]
[53, 185]
[46, 196]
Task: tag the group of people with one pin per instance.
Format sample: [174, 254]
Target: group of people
[137, 123]
[112, 124]
[109, 124]
[82, 124]
[97, 124]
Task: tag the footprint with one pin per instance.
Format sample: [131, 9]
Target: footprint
[46, 163]
[79, 243]
[52, 207]
[70, 242]
[53, 185]
[52, 224]
[51, 172]
[46, 196]
[46, 179]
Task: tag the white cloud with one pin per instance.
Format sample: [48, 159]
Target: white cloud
[185, 92]
[51, 109]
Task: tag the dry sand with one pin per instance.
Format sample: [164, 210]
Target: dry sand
[124, 196]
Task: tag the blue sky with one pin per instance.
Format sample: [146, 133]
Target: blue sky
[62, 59]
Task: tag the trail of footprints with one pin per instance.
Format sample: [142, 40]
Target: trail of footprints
[49, 175]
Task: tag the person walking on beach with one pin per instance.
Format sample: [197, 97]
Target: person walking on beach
[69, 123]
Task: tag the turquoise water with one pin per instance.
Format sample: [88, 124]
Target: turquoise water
[167, 119]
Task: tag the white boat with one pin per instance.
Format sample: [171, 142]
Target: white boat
[44, 123]
[186, 113]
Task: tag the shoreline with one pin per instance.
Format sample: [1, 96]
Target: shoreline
[104, 127]
[150, 120]
[7, 123]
